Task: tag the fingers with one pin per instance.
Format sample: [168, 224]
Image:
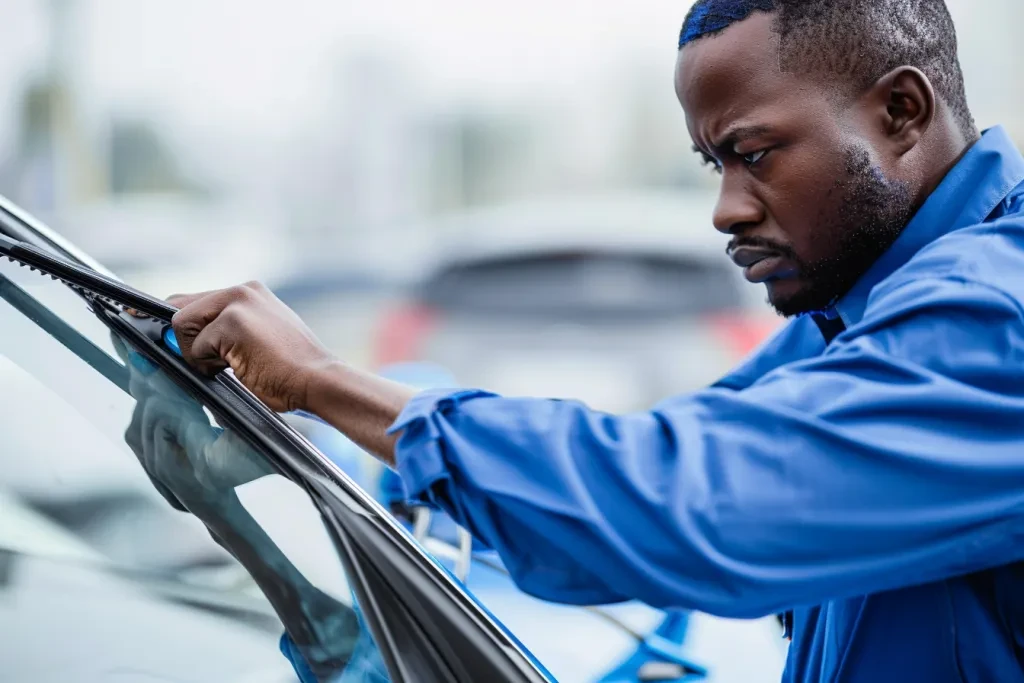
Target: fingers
[198, 312]
[180, 301]
[209, 349]
[176, 300]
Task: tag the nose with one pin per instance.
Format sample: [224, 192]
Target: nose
[737, 207]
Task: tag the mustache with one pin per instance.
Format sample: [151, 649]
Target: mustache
[761, 243]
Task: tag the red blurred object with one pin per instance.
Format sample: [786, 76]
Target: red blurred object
[401, 334]
[742, 331]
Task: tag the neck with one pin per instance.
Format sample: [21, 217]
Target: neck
[944, 152]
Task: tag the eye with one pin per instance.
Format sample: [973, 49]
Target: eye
[754, 157]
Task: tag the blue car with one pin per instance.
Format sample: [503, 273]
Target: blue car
[160, 525]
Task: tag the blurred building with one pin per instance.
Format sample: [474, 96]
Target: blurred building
[377, 143]
[54, 161]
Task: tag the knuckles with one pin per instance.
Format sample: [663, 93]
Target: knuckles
[192, 318]
[221, 319]
[250, 291]
[234, 317]
[187, 327]
[241, 293]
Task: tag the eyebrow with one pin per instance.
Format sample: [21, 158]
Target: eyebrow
[735, 136]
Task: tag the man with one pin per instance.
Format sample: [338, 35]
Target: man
[864, 471]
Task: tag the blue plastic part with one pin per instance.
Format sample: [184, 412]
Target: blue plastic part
[664, 645]
[170, 340]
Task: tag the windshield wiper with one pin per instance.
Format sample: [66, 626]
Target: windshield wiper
[401, 574]
[85, 280]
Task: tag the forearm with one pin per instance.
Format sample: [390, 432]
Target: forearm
[360, 405]
[748, 505]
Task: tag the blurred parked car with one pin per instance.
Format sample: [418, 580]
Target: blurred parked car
[140, 593]
[619, 301]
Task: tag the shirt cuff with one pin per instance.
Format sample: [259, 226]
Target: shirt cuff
[419, 457]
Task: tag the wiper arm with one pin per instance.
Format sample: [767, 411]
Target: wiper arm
[85, 280]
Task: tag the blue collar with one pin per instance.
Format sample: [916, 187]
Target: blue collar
[969, 194]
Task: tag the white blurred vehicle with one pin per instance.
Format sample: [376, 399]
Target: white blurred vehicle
[618, 300]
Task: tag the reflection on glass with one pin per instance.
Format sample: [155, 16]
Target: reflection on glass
[94, 465]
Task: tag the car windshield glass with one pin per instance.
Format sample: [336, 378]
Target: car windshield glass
[101, 455]
[584, 283]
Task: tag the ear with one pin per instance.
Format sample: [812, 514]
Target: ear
[905, 103]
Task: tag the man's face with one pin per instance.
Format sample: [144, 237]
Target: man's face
[804, 192]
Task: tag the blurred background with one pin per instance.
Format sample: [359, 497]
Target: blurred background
[504, 190]
[484, 185]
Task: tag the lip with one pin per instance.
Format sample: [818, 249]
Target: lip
[760, 265]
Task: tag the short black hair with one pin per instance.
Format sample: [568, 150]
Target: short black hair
[856, 41]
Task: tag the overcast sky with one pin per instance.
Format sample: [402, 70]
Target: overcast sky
[252, 64]
[250, 61]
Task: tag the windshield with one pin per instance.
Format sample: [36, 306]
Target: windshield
[101, 455]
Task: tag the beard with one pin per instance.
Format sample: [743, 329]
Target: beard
[863, 224]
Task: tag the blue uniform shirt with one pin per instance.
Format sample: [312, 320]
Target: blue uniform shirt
[873, 486]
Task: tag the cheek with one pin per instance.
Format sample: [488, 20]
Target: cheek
[804, 198]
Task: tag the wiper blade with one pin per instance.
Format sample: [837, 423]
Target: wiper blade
[85, 280]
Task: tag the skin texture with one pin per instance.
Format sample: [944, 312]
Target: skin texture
[836, 182]
[824, 180]
[277, 357]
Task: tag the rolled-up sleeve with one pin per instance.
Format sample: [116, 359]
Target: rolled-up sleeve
[893, 459]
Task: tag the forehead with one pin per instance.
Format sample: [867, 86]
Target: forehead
[734, 78]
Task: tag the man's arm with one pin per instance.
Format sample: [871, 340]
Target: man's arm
[892, 460]
[360, 405]
[279, 359]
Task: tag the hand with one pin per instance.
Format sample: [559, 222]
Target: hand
[248, 329]
[195, 466]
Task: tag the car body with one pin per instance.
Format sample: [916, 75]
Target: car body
[102, 580]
